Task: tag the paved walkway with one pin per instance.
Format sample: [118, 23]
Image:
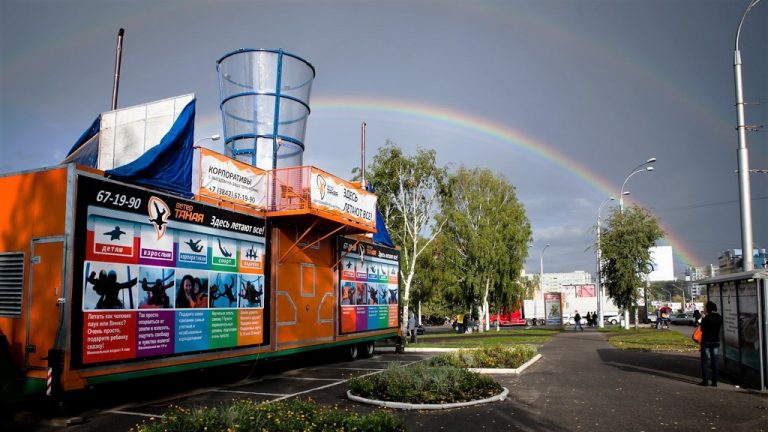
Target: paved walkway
[583, 384]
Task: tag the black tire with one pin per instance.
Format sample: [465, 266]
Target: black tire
[366, 349]
[351, 352]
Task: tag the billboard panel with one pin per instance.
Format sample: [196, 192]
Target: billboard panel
[157, 275]
[368, 286]
[336, 196]
[226, 179]
[663, 264]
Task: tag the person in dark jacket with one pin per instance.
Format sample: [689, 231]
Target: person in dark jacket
[710, 342]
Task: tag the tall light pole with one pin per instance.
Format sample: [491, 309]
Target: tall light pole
[636, 170]
[541, 278]
[214, 137]
[600, 319]
[748, 261]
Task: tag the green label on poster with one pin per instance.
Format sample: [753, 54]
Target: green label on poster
[223, 329]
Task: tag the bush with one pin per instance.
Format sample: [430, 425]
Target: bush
[425, 383]
[487, 357]
[293, 415]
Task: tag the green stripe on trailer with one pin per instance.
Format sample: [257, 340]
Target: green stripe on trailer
[102, 379]
[22, 389]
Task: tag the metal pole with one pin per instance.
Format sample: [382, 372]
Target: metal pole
[118, 61]
[541, 278]
[600, 319]
[745, 196]
[362, 157]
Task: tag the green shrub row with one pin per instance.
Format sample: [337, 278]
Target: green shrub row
[497, 356]
[424, 383]
[288, 416]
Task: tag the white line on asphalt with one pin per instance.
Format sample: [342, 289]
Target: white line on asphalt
[247, 392]
[133, 413]
[310, 378]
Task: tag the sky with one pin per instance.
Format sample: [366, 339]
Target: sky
[563, 98]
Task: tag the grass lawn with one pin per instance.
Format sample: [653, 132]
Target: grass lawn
[489, 338]
[647, 339]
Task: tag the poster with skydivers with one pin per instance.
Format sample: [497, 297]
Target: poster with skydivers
[153, 271]
[368, 286]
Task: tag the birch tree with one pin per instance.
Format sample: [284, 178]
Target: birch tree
[409, 188]
[488, 232]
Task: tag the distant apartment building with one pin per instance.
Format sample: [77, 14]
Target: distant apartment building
[730, 261]
[693, 274]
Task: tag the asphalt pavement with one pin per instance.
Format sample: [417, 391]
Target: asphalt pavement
[580, 383]
[583, 383]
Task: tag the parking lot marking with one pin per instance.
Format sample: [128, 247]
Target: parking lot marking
[137, 414]
[247, 392]
[310, 378]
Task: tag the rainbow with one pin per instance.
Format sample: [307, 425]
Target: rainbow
[439, 116]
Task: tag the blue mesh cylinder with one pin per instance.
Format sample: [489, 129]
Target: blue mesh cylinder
[264, 105]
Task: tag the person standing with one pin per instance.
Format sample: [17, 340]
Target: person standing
[696, 317]
[577, 322]
[710, 342]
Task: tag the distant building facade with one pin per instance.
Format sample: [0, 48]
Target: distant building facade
[730, 261]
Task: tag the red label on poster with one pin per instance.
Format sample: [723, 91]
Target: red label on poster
[348, 319]
[109, 336]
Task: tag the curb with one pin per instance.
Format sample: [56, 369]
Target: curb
[507, 371]
[409, 406]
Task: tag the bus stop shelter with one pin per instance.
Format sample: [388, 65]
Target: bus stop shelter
[741, 300]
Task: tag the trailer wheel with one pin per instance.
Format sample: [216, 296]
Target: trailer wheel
[367, 349]
[351, 352]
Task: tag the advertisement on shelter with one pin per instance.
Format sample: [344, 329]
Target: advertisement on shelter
[368, 284]
[157, 275]
[730, 315]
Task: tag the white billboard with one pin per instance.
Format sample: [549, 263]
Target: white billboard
[663, 264]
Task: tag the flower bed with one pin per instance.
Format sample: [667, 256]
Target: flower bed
[508, 357]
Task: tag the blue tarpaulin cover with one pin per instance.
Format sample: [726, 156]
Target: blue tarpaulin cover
[381, 236]
[86, 154]
[168, 165]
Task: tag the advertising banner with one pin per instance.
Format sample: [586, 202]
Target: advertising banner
[730, 315]
[749, 342]
[157, 275]
[553, 308]
[226, 179]
[342, 198]
[368, 285]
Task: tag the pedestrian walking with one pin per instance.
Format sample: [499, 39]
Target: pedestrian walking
[577, 322]
[412, 327]
[710, 342]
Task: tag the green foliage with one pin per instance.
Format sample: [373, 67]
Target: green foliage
[495, 356]
[484, 239]
[409, 189]
[293, 415]
[423, 383]
[624, 244]
[653, 340]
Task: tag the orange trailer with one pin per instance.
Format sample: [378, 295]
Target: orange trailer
[103, 281]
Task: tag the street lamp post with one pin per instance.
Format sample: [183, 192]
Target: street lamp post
[541, 278]
[748, 261]
[214, 137]
[600, 319]
[636, 170]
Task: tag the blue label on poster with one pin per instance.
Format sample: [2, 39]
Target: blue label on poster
[191, 330]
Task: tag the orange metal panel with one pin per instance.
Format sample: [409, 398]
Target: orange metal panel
[304, 289]
[34, 205]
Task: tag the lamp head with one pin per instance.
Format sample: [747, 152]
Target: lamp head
[651, 160]
[649, 168]
[215, 137]
[626, 193]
